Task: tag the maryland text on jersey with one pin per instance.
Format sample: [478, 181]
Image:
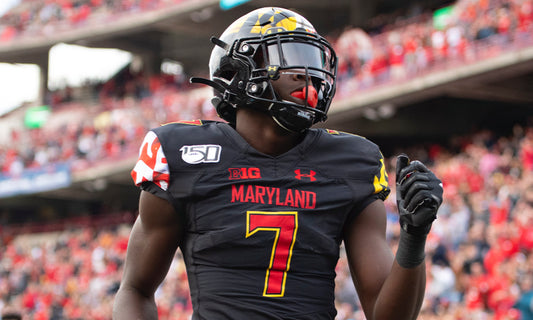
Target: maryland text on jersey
[273, 196]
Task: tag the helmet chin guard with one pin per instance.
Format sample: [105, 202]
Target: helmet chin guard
[291, 118]
[254, 50]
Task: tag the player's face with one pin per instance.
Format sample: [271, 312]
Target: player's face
[291, 86]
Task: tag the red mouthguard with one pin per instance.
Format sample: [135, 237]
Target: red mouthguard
[312, 95]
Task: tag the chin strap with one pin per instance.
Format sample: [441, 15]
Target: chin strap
[215, 85]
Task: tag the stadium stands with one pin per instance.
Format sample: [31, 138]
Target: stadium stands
[479, 259]
[399, 53]
[41, 18]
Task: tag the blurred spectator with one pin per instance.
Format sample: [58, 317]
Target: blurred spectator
[525, 301]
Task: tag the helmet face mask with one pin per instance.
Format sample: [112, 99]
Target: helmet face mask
[255, 50]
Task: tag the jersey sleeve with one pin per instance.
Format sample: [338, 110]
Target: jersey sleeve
[151, 172]
[380, 184]
[375, 181]
[381, 180]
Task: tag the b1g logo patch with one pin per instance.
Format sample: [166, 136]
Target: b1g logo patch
[202, 153]
[244, 173]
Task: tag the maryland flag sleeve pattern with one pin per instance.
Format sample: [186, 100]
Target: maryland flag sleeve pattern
[381, 181]
[152, 164]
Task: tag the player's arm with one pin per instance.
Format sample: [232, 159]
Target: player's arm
[393, 287]
[385, 289]
[153, 242]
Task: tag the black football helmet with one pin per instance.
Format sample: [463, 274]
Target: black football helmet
[254, 49]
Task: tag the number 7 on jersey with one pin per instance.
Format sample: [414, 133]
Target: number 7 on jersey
[284, 225]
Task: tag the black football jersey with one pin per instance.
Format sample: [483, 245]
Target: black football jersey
[262, 232]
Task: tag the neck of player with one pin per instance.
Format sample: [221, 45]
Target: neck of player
[263, 133]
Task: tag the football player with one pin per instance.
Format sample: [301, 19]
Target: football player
[260, 205]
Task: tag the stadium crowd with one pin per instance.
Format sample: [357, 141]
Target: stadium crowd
[82, 133]
[479, 254]
[395, 50]
[33, 18]
[479, 259]
[392, 51]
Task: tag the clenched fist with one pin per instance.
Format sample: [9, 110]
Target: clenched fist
[418, 195]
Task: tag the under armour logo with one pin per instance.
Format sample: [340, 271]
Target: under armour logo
[299, 175]
[273, 72]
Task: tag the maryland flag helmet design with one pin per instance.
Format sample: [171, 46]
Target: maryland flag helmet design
[253, 50]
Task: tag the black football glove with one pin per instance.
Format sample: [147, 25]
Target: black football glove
[418, 195]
